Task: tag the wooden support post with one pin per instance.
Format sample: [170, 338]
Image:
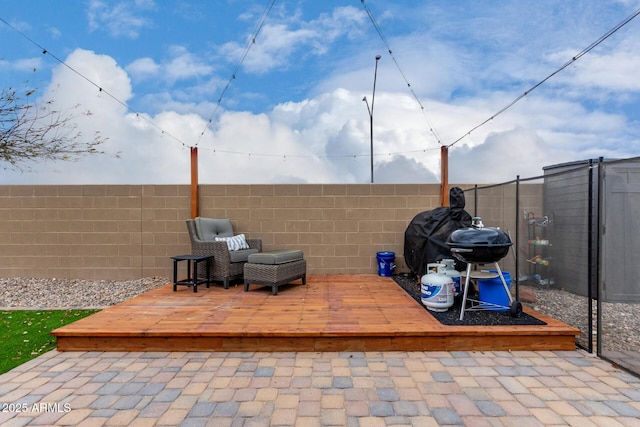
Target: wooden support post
[444, 176]
[195, 208]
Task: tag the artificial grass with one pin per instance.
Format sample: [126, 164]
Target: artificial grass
[26, 334]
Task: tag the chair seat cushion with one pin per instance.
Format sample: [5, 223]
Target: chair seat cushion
[276, 257]
[242, 255]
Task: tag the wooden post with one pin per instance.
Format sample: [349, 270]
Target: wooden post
[195, 208]
[444, 176]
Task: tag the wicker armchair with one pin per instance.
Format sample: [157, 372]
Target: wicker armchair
[227, 264]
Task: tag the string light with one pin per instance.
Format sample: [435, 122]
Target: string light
[100, 89]
[315, 156]
[163, 132]
[256, 32]
[432, 128]
[541, 82]
[253, 40]
[517, 99]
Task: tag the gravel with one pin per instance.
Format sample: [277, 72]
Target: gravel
[620, 321]
[28, 293]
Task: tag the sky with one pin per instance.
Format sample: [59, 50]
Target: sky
[272, 91]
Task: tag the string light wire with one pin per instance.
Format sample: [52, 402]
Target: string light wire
[432, 128]
[260, 24]
[250, 43]
[541, 82]
[303, 156]
[164, 132]
[101, 90]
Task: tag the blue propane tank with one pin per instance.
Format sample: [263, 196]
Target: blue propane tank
[436, 288]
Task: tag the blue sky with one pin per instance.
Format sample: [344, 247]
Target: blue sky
[294, 111]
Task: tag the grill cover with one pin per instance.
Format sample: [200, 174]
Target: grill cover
[425, 239]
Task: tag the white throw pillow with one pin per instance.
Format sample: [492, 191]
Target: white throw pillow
[234, 243]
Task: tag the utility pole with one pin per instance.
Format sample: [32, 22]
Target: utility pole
[370, 109]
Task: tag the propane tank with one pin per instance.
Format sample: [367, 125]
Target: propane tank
[436, 288]
[454, 274]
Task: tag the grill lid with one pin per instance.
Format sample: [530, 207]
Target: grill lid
[471, 237]
[479, 244]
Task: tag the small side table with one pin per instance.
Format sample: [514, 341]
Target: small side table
[191, 280]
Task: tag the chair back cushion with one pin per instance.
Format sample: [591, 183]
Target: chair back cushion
[210, 228]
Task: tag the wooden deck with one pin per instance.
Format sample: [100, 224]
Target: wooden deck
[330, 313]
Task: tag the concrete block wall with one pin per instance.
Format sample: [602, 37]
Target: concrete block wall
[120, 232]
[340, 228]
[111, 232]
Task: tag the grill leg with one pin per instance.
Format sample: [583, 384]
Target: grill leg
[504, 283]
[466, 289]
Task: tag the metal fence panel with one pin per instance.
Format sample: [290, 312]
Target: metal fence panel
[567, 200]
[545, 236]
[619, 303]
[621, 232]
[577, 254]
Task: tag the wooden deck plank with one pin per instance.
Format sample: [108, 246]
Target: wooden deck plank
[330, 313]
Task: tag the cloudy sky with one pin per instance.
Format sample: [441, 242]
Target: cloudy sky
[272, 91]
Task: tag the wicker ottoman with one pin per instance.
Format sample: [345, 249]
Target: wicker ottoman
[275, 268]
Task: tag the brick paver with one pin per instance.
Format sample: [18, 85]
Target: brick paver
[376, 389]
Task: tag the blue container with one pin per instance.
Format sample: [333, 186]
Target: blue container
[386, 263]
[491, 291]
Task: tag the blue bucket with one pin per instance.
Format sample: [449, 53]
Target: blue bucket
[386, 263]
[491, 291]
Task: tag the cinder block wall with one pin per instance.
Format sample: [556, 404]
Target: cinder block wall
[119, 232]
[111, 232]
[339, 227]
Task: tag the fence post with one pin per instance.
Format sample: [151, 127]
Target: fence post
[444, 176]
[517, 281]
[194, 183]
[598, 261]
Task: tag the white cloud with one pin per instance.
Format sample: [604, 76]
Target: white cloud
[324, 138]
[118, 19]
[143, 68]
[179, 65]
[303, 142]
[403, 170]
[281, 38]
[611, 71]
[93, 72]
[138, 142]
[54, 32]
[503, 156]
[184, 64]
[24, 64]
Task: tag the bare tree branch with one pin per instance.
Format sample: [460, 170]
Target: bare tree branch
[30, 133]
